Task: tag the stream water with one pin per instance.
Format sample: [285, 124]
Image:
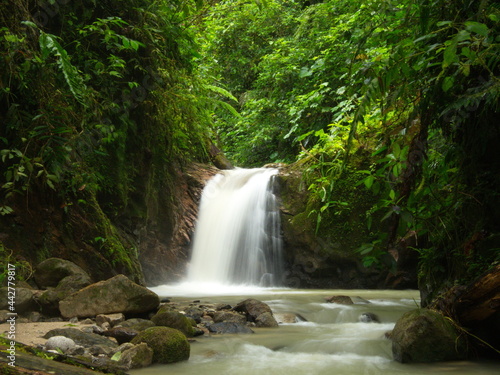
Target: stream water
[331, 340]
[237, 243]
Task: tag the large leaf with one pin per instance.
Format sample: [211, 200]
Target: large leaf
[50, 46]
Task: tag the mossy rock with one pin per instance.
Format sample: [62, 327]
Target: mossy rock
[53, 270]
[169, 345]
[175, 320]
[424, 335]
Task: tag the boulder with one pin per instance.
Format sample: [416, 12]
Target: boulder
[341, 300]
[112, 319]
[81, 338]
[137, 324]
[168, 344]
[288, 318]
[61, 343]
[424, 335]
[266, 320]
[175, 320]
[194, 312]
[253, 308]
[138, 356]
[118, 294]
[369, 318]
[24, 302]
[51, 271]
[121, 334]
[49, 299]
[229, 316]
[229, 327]
[4, 315]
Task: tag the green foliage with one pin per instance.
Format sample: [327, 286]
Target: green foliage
[82, 105]
[405, 93]
[22, 269]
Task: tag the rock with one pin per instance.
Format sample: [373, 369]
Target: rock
[195, 313]
[168, 344]
[24, 302]
[123, 347]
[137, 324]
[287, 318]
[93, 329]
[253, 308]
[112, 319]
[35, 316]
[78, 350]
[81, 338]
[49, 299]
[60, 342]
[138, 356]
[49, 302]
[118, 294]
[423, 335]
[229, 316]
[229, 327]
[266, 320]
[51, 271]
[341, 300]
[121, 334]
[175, 320]
[4, 315]
[369, 318]
[73, 283]
[100, 350]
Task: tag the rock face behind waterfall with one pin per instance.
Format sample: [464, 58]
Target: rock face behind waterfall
[325, 257]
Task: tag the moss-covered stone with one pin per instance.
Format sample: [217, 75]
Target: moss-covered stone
[175, 320]
[424, 335]
[169, 345]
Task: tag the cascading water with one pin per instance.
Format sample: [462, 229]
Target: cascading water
[237, 236]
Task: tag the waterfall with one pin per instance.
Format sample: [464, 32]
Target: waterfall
[237, 235]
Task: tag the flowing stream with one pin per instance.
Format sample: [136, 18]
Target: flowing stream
[331, 340]
[237, 251]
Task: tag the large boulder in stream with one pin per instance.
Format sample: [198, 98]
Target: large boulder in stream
[118, 294]
[424, 335]
[257, 312]
[169, 345]
[174, 319]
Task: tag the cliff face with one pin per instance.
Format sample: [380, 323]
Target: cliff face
[151, 246]
[325, 256]
[165, 238]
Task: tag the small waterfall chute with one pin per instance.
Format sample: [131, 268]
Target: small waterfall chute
[237, 235]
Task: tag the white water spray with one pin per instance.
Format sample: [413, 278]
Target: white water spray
[237, 236]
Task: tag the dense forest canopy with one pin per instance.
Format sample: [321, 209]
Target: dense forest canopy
[100, 99]
[404, 94]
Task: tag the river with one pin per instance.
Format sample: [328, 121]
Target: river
[331, 339]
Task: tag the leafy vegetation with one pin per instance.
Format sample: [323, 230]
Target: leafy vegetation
[405, 93]
[396, 99]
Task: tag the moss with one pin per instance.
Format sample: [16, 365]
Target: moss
[169, 345]
[175, 320]
[121, 255]
[423, 335]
